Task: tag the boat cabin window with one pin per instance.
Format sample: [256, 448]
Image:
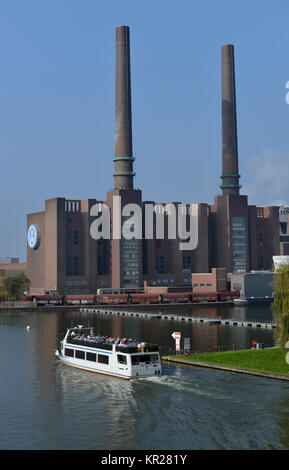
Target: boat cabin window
[147, 358]
[121, 359]
[69, 352]
[79, 354]
[103, 359]
[91, 356]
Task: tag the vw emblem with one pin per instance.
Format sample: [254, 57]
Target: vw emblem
[33, 236]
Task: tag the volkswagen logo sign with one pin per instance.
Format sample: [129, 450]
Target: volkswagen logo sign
[33, 236]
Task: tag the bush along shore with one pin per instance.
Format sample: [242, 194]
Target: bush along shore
[269, 362]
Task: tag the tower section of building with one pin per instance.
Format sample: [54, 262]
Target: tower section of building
[239, 233]
[230, 167]
[123, 159]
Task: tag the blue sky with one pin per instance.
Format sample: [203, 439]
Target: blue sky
[57, 101]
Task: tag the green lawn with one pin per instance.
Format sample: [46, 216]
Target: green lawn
[270, 360]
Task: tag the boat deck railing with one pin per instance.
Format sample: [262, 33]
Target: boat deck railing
[90, 343]
[128, 348]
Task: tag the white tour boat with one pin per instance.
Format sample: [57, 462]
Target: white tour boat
[124, 358]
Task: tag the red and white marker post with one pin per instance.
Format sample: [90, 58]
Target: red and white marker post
[177, 337]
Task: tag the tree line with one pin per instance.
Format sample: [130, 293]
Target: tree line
[13, 287]
[280, 306]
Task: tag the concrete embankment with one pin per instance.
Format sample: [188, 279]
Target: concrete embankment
[39, 309]
[225, 368]
[128, 307]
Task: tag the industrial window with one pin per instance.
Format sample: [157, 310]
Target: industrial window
[69, 237]
[68, 266]
[237, 286]
[75, 237]
[239, 244]
[91, 357]
[99, 265]
[76, 265]
[69, 352]
[103, 359]
[79, 354]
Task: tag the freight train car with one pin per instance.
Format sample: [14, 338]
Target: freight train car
[176, 297]
[145, 298]
[216, 296]
[230, 295]
[113, 298]
[84, 299]
[47, 299]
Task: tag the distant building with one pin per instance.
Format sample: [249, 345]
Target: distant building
[233, 236]
[9, 260]
[254, 284]
[11, 269]
[284, 229]
[216, 281]
[279, 260]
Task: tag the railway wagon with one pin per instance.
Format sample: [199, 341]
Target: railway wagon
[215, 296]
[113, 298]
[82, 299]
[176, 297]
[47, 299]
[206, 296]
[230, 295]
[145, 298]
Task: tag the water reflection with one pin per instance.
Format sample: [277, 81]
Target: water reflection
[261, 312]
[104, 405]
[204, 337]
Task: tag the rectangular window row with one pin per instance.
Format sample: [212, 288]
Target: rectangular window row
[86, 355]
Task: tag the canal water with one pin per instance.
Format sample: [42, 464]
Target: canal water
[47, 405]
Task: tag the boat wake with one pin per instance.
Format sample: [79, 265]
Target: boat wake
[185, 384]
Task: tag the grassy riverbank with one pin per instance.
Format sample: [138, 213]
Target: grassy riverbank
[269, 360]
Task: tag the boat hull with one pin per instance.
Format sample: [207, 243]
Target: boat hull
[146, 372]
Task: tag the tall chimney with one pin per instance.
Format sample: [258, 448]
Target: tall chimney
[123, 159]
[230, 176]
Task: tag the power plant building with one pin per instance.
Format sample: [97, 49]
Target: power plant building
[64, 255]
